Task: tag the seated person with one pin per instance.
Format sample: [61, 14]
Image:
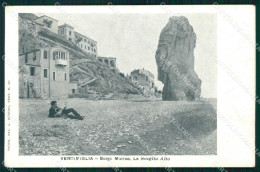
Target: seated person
[55, 111]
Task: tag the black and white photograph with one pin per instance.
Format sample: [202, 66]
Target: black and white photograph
[100, 84]
[137, 85]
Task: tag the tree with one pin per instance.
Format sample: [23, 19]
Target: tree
[78, 39]
[48, 22]
[122, 74]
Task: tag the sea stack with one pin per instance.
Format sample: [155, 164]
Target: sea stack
[175, 61]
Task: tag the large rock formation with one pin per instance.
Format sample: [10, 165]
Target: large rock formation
[175, 61]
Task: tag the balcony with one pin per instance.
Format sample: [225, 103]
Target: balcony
[61, 62]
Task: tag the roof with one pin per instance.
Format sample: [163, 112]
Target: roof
[134, 71]
[33, 21]
[59, 47]
[45, 16]
[66, 25]
[29, 16]
[59, 39]
[37, 22]
[107, 57]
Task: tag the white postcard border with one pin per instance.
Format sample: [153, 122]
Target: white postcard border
[236, 107]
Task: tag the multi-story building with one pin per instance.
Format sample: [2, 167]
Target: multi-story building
[143, 78]
[85, 43]
[48, 23]
[109, 61]
[44, 73]
[67, 31]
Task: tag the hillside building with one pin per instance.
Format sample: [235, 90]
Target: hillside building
[44, 73]
[67, 31]
[109, 61]
[143, 78]
[85, 43]
[48, 23]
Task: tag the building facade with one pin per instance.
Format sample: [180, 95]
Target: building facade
[67, 31]
[44, 73]
[85, 43]
[109, 61]
[48, 23]
[143, 78]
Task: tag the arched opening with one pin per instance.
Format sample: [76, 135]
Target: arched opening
[112, 63]
[106, 61]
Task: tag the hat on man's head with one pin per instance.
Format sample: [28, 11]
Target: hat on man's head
[53, 103]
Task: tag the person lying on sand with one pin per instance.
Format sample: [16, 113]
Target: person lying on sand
[55, 111]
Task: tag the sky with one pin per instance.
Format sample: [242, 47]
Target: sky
[133, 39]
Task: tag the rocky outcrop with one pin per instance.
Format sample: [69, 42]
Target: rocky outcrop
[175, 61]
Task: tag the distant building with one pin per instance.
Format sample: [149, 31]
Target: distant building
[85, 43]
[67, 31]
[48, 23]
[109, 61]
[44, 73]
[143, 78]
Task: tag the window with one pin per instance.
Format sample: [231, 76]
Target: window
[54, 76]
[32, 71]
[94, 50]
[54, 55]
[59, 55]
[34, 56]
[26, 58]
[45, 75]
[73, 91]
[45, 54]
[65, 76]
[85, 40]
[62, 55]
[70, 39]
[88, 42]
[70, 33]
[85, 47]
[88, 48]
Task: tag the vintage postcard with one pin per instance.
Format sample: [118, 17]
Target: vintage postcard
[130, 86]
